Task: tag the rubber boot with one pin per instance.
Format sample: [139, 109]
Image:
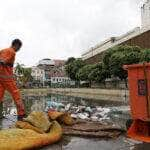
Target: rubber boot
[20, 117]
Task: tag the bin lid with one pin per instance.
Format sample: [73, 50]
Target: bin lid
[126, 67]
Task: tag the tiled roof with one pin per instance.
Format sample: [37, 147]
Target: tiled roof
[59, 62]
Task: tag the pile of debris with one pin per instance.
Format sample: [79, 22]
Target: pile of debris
[96, 113]
[40, 129]
[80, 127]
[92, 129]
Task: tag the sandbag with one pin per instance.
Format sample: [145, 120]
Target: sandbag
[26, 139]
[61, 117]
[26, 125]
[66, 119]
[39, 120]
[53, 115]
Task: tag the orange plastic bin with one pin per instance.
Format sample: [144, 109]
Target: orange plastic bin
[139, 90]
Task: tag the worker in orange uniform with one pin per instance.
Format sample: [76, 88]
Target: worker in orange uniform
[7, 82]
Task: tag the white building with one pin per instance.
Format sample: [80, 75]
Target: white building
[38, 74]
[51, 72]
[58, 76]
[62, 79]
[145, 14]
[46, 61]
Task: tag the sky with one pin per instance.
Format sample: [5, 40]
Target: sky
[58, 29]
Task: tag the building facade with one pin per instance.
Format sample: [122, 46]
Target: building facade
[38, 73]
[38, 76]
[139, 36]
[47, 65]
[145, 14]
[51, 73]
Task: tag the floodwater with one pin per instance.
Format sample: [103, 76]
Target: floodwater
[36, 102]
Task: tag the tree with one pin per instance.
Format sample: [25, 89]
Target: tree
[19, 69]
[70, 60]
[98, 73]
[73, 67]
[23, 74]
[118, 56]
[145, 55]
[83, 72]
[106, 59]
[26, 77]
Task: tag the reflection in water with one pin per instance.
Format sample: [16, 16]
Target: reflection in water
[39, 103]
[59, 145]
[76, 101]
[96, 144]
[143, 146]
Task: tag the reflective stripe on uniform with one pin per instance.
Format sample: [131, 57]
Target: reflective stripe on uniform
[7, 76]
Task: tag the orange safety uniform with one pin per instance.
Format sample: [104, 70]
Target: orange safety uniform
[7, 81]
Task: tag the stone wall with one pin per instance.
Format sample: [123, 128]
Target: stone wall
[98, 94]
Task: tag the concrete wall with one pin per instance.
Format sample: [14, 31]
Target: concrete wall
[99, 94]
[109, 43]
[142, 40]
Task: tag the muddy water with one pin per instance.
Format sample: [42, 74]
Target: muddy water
[35, 102]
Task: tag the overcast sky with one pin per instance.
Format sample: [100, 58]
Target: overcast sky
[58, 29]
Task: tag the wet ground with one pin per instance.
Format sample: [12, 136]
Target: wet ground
[36, 102]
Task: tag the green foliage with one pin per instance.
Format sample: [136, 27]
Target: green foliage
[145, 55]
[23, 74]
[73, 67]
[70, 60]
[98, 73]
[118, 56]
[111, 66]
[26, 75]
[19, 69]
[84, 72]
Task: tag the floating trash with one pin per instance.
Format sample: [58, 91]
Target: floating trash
[67, 107]
[13, 111]
[95, 113]
[83, 116]
[54, 105]
[94, 118]
[88, 109]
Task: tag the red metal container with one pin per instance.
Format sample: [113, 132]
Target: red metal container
[139, 90]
